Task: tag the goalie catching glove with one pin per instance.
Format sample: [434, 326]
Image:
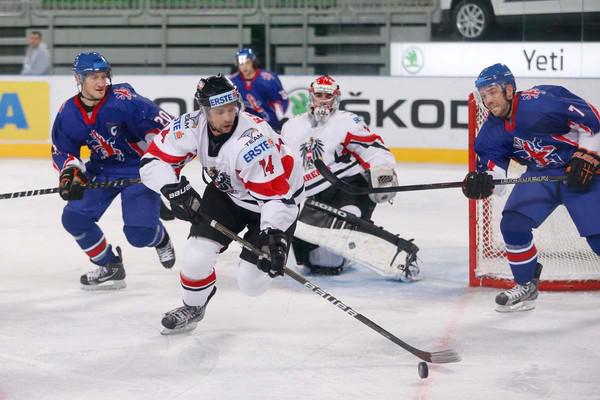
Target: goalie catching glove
[478, 185]
[184, 200]
[582, 169]
[381, 177]
[275, 244]
[72, 183]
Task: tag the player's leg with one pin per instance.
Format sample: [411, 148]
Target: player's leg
[320, 260]
[142, 226]
[80, 218]
[527, 207]
[251, 280]
[197, 277]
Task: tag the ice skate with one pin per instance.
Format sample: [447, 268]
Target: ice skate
[166, 252]
[108, 277]
[520, 297]
[182, 319]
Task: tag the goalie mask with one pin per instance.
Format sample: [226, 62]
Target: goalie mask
[324, 97]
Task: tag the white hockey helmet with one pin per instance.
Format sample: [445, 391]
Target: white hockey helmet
[324, 97]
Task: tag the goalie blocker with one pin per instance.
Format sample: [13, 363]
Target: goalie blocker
[358, 240]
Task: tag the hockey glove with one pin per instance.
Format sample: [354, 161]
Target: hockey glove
[275, 243]
[478, 185]
[71, 183]
[582, 169]
[381, 177]
[184, 200]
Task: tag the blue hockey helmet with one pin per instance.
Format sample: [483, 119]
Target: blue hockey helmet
[86, 63]
[244, 54]
[497, 74]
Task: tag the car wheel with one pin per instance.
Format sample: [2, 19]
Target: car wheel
[472, 19]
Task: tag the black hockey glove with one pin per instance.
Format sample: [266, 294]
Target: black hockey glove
[582, 170]
[275, 243]
[184, 200]
[71, 183]
[478, 185]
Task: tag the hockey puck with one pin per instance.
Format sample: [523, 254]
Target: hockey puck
[423, 370]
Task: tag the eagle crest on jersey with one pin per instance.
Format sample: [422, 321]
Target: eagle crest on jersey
[311, 150]
[221, 180]
[533, 150]
[104, 147]
[251, 135]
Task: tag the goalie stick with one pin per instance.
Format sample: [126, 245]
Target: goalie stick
[436, 357]
[351, 189]
[93, 185]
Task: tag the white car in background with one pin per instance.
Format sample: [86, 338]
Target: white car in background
[473, 19]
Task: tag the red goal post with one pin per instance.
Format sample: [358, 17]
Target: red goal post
[569, 263]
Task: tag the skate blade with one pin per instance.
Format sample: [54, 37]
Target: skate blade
[522, 306]
[109, 285]
[189, 327]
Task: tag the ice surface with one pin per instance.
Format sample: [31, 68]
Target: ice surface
[59, 342]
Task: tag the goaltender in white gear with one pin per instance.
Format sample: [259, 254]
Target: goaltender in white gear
[255, 183]
[344, 142]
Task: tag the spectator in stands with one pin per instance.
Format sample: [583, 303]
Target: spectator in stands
[37, 57]
[261, 90]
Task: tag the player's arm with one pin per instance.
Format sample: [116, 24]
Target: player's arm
[492, 163]
[265, 170]
[280, 97]
[161, 166]
[581, 120]
[370, 151]
[66, 160]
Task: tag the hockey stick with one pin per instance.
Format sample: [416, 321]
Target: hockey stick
[93, 185]
[351, 189]
[437, 357]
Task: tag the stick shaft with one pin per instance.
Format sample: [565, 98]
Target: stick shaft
[93, 185]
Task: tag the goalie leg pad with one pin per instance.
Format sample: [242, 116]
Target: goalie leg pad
[377, 250]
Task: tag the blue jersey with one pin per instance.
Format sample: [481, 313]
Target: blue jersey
[546, 125]
[116, 131]
[262, 95]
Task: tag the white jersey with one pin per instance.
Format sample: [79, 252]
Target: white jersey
[343, 141]
[251, 165]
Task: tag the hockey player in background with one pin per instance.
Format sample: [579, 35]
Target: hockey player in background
[261, 90]
[354, 153]
[255, 184]
[551, 131]
[116, 124]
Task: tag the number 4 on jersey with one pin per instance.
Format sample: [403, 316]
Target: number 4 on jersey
[267, 165]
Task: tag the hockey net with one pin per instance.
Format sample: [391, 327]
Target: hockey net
[569, 263]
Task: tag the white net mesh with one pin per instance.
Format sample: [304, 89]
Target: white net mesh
[565, 255]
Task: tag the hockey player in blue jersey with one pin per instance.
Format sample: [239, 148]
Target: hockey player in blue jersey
[261, 90]
[553, 132]
[116, 124]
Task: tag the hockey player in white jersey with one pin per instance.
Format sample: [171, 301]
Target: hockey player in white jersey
[255, 183]
[347, 146]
